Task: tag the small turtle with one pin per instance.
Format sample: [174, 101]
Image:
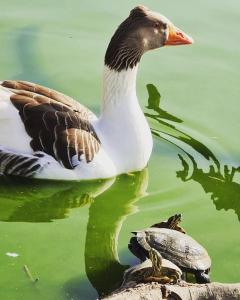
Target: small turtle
[175, 246]
[171, 223]
[154, 269]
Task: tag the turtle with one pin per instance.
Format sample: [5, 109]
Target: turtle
[174, 245]
[153, 269]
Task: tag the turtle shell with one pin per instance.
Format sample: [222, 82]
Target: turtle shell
[179, 248]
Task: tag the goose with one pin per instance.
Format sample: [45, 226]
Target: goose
[47, 135]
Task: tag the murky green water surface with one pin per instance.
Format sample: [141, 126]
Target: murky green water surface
[74, 236]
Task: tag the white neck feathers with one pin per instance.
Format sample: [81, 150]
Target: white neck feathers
[118, 87]
[122, 127]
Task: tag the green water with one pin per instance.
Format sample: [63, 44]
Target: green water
[74, 236]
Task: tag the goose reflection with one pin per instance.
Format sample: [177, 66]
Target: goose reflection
[25, 200]
[106, 216]
[105, 221]
[219, 180]
[109, 201]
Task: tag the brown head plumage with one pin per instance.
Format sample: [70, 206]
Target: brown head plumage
[143, 30]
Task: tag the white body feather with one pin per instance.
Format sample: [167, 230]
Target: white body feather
[125, 136]
[12, 132]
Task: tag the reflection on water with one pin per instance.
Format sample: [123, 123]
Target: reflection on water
[218, 180]
[23, 200]
[111, 201]
[225, 192]
[106, 216]
[170, 132]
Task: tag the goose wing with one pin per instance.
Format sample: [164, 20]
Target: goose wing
[57, 124]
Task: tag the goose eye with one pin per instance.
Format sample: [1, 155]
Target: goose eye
[164, 25]
[156, 24]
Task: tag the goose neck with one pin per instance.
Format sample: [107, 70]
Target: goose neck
[118, 87]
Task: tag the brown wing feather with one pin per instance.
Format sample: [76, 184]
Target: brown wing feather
[57, 124]
[27, 88]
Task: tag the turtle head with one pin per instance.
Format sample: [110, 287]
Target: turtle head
[171, 223]
[175, 219]
[202, 277]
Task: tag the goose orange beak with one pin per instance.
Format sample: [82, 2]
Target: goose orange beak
[177, 37]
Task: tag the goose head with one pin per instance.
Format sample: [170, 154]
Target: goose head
[142, 31]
